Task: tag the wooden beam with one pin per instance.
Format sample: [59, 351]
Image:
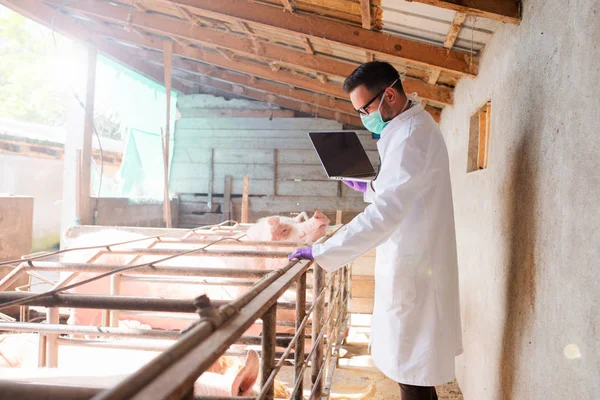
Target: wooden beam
[435, 75]
[308, 46]
[167, 26]
[245, 200]
[287, 5]
[365, 13]
[87, 215]
[455, 28]
[139, 6]
[334, 32]
[499, 10]
[168, 56]
[259, 84]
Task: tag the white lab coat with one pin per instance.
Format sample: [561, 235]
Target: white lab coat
[416, 330]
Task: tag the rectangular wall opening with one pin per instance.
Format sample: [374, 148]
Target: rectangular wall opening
[479, 134]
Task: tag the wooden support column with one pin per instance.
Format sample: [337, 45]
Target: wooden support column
[87, 212]
[77, 205]
[168, 52]
[245, 200]
[365, 12]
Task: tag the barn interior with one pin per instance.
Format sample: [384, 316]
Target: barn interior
[220, 97]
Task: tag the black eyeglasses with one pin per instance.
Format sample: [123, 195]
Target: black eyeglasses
[363, 109]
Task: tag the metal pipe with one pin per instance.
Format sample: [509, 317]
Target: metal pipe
[36, 391]
[335, 359]
[134, 303]
[59, 329]
[268, 349]
[200, 253]
[149, 270]
[317, 358]
[299, 353]
[52, 339]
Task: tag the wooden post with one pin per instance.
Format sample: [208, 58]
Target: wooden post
[87, 214]
[245, 200]
[338, 217]
[167, 52]
[211, 177]
[76, 206]
[227, 199]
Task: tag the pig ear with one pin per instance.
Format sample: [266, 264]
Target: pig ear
[273, 221]
[247, 376]
[301, 217]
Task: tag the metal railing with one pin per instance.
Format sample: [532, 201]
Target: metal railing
[222, 323]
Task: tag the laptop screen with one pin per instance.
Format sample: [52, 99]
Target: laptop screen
[341, 153]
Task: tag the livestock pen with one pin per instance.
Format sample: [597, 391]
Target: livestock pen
[185, 355]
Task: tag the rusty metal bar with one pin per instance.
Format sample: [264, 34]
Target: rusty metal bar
[38, 256]
[268, 349]
[301, 331]
[317, 358]
[37, 391]
[335, 359]
[316, 389]
[174, 371]
[56, 329]
[199, 253]
[101, 302]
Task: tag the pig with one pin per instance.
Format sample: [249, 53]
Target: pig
[229, 376]
[300, 229]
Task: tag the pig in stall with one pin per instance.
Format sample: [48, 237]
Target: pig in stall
[229, 376]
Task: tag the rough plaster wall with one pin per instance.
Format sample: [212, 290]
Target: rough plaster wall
[528, 226]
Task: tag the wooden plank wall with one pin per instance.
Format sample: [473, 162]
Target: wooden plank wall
[285, 174]
[363, 284]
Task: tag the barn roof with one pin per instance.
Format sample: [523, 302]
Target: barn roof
[293, 53]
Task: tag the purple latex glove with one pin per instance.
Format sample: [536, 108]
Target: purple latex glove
[358, 186]
[304, 253]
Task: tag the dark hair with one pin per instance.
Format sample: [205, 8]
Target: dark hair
[375, 75]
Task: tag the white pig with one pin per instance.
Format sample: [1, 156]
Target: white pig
[229, 376]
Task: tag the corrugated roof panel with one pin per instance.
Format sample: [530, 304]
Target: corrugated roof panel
[430, 24]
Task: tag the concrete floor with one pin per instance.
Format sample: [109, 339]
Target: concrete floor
[357, 378]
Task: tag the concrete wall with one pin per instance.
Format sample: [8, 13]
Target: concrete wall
[16, 228]
[528, 225]
[42, 179]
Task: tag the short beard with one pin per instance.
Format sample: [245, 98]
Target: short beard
[386, 112]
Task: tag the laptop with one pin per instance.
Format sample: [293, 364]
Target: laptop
[342, 156]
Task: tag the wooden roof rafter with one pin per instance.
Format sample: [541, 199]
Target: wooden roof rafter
[499, 10]
[328, 105]
[320, 64]
[334, 32]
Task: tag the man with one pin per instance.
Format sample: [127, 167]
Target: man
[416, 331]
